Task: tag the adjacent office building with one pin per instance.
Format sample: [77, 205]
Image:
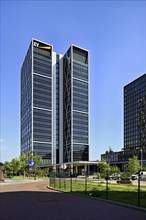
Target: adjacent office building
[134, 124]
[135, 119]
[55, 103]
[135, 114]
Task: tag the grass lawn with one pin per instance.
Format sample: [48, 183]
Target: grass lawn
[22, 178]
[26, 178]
[124, 193]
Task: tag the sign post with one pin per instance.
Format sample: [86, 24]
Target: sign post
[32, 164]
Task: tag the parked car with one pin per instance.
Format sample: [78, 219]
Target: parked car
[135, 175]
[115, 176]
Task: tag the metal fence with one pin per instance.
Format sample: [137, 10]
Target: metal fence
[133, 193]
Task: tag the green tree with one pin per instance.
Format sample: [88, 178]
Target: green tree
[16, 167]
[24, 163]
[133, 165]
[41, 172]
[144, 168]
[8, 169]
[114, 169]
[103, 167]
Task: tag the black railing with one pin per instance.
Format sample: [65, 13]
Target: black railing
[123, 190]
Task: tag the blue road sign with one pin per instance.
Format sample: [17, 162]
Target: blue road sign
[31, 163]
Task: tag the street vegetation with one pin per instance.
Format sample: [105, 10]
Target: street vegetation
[19, 168]
[132, 167]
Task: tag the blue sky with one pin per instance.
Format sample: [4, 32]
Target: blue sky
[113, 31]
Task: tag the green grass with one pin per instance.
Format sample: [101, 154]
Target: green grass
[26, 178]
[22, 178]
[124, 193]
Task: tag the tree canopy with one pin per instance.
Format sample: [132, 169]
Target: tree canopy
[133, 165]
[21, 165]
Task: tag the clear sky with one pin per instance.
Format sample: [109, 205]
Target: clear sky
[113, 31]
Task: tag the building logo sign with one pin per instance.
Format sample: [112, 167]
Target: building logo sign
[42, 46]
[35, 44]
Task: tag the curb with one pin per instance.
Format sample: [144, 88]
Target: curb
[103, 200]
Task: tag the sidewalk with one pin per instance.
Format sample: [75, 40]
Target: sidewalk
[13, 181]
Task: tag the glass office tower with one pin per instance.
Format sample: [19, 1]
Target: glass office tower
[55, 103]
[80, 99]
[76, 105]
[135, 114]
[36, 101]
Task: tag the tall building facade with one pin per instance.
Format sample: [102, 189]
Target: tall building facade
[135, 114]
[134, 125]
[55, 103]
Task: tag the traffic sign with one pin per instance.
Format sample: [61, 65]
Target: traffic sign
[31, 163]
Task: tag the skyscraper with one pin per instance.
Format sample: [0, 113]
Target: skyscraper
[134, 125]
[135, 114]
[55, 103]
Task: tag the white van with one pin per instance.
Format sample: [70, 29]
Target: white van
[142, 175]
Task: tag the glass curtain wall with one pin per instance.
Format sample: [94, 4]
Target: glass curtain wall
[26, 103]
[42, 101]
[80, 105]
[67, 106]
[135, 114]
[57, 108]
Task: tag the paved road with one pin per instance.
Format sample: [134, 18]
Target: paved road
[32, 200]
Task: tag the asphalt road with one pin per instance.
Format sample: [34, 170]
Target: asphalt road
[32, 200]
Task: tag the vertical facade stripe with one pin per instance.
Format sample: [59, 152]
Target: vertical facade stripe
[61, 109]
[54, 108]
[32, 93]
